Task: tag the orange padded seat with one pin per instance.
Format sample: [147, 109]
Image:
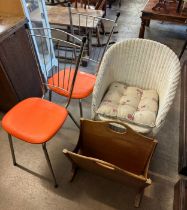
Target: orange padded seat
[34, 120]
[83, 86]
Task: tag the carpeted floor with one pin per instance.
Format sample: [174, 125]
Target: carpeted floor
[21, 189]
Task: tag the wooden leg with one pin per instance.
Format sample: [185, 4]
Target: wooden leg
[142, 28]
[119, 3]
[179, 6]
[103, 28]
[138, 197]
[147, 23]
[73, 172]
[89, 36]
[110, 4]
[74, 166]
[98, 36]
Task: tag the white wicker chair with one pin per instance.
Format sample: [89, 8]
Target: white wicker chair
[142, 63]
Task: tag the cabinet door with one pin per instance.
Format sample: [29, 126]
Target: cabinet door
[20, 65]
[8, 97]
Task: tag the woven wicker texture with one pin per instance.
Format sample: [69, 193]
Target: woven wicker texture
[142, 63]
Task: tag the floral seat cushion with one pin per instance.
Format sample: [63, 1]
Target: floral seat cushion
[130, 104]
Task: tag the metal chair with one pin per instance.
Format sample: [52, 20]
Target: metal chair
[98, 30]
[98, 41]
[36, 120]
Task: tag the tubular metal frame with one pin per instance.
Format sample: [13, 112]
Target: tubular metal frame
[97, 23]
[95, 53]
[75, 48]
[45, 84]
[45, 153]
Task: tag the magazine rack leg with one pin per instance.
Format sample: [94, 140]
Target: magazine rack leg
[138, 197]
[74, 166]
[73, 172]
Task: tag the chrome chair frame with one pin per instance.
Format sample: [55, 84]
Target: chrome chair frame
[44, 86]
[58, 47]
[92, 53]
[97, 23]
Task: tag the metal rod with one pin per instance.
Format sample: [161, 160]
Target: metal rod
[50, 95]
[58, 66]
[12, 149]
[76, 70]
[55, 29]
[49, 163]
[54, 39]
[73, 119]
[80, 106]
[82, 14]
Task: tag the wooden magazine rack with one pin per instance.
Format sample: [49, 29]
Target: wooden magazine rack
[115, 152]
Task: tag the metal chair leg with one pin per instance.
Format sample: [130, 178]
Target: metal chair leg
[49, 163]
[50, 95]
[71, 116]
[12, 149]
[80, 106]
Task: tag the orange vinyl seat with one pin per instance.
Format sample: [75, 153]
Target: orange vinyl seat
[34, 120]
[83, 86]
[96, 45]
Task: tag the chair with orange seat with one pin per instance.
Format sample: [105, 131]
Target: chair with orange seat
[36, 120]
[97, 43]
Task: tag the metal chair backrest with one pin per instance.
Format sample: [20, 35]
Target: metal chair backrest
[61, 68]
[94, 28]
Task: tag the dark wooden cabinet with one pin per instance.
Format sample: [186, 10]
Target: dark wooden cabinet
[19, 73]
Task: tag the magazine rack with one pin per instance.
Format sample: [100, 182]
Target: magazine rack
[115, 151]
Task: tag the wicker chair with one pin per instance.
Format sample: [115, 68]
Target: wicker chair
[144, 64]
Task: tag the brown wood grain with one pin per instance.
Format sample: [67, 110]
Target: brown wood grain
[149, 14]
[59, 15]
[171, 7]
[119, 149]
[11, 7]
[118, 153]
[18, 67]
